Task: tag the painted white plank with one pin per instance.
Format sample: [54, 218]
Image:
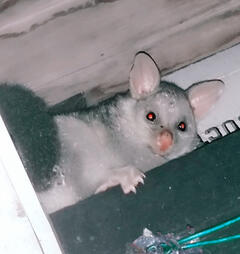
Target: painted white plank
[16, 233]
[59, 50]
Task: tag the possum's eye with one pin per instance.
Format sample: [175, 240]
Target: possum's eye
[151, 116]
[182, 126]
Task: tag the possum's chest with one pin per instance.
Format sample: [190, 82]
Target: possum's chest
[94, 145]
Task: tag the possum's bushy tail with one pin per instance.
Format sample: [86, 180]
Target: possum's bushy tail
[33, 131]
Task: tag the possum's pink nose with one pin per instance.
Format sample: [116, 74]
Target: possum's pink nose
[164, 140]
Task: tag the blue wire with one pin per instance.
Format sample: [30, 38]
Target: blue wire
[208, 231]
[221, 240]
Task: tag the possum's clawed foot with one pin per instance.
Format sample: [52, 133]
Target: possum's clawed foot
[128, 177]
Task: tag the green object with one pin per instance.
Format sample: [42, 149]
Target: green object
[211, 242]
[209, 231]
[169, 249]
[170, 245]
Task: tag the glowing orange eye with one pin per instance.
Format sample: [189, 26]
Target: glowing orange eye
[151, 116]
[182, 126]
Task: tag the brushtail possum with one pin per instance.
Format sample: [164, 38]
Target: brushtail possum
[116, 141]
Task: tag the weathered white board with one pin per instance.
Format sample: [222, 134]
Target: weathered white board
[60, 47]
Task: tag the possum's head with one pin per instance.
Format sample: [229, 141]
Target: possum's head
[163, 116]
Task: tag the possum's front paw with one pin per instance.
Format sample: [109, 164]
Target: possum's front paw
[128, 177]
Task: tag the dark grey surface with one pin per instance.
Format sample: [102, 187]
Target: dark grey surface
[201, 189]
[33, 131]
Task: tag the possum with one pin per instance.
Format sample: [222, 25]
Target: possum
[118, 140]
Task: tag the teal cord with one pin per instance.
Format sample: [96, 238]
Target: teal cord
[211, 242]
[208, 231]
[183, 244]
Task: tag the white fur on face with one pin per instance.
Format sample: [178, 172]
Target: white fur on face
[170, 111]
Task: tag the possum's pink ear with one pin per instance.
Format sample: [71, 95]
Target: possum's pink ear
[202, 96]
[144, 76]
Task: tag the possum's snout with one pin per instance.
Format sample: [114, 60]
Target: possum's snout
[164, 140]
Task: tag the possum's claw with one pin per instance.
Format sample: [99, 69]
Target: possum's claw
[128, 177]
[102, 188]
[131, 189]
[141, 179]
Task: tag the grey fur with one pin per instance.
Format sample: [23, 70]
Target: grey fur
[114, 143]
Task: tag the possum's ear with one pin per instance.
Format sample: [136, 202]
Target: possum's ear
[202, 96]
[144, 76]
